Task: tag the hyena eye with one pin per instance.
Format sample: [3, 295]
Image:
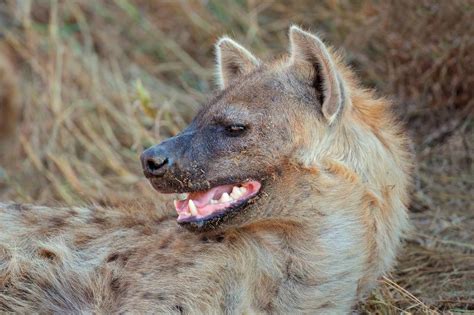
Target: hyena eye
[235, 130]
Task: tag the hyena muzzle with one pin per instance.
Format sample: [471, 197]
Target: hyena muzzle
[291, 188]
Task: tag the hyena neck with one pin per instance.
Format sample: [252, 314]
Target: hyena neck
[357, 142]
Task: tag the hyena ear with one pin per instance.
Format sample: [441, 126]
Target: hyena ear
[233, 60]
[308, 48]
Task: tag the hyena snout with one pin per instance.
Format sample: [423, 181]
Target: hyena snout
[157, 160]
[164, 158]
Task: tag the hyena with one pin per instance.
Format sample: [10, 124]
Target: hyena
[291, 188]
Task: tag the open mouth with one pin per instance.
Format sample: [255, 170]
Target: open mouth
[202, 205]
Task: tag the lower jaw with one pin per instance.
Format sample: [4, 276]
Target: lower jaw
[215, 220]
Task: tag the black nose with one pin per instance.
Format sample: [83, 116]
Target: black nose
[155, 161]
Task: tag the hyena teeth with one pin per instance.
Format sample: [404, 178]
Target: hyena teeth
[183, 196]
[213, 202]
[175, 203]
[236, 193]
[243, 190]
[192, 207]
[225, 198]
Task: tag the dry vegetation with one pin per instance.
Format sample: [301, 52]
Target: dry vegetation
[101, 80]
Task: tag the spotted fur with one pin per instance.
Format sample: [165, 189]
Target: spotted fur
[325, 228]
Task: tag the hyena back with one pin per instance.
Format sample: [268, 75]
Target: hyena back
[293, 191]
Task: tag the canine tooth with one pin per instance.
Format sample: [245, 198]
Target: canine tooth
[192, 207]
[213, 202]
[236, 193]
[243, 190]
[175, 203]
[225, 198]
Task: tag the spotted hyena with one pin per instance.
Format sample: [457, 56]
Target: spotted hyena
[291, 188]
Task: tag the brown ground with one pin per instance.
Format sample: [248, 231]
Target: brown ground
[101, 80]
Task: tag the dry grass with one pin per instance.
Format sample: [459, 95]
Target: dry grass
[101, 80]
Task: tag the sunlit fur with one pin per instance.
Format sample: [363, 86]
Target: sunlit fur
[325, 228]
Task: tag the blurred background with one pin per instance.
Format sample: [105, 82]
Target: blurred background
[86, 85]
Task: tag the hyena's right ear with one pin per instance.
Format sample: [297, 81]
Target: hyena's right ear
[308, 48]
[233, 60]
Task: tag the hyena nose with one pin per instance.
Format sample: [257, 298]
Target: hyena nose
[155, 162]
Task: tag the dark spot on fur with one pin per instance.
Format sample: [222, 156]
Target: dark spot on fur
[326, 305]
[48, 254]
[82, 239]
[268, 309]
[179, 308]
[160, 220]
[187, 264]
[134, 222]
[120, 258]
[113, 257]
[96, 220]
[146, 230]
[232, 238]
[219, 238]
[58, 222]
[166, 242]
[154, 296]
[115, 284]
[18, 207]
[125, 257]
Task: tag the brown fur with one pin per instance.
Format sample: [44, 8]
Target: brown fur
[326, 226]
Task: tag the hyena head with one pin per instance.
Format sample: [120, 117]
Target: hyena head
[229, 163]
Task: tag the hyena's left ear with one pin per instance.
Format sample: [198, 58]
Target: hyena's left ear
[306, 47]
[233, 60]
